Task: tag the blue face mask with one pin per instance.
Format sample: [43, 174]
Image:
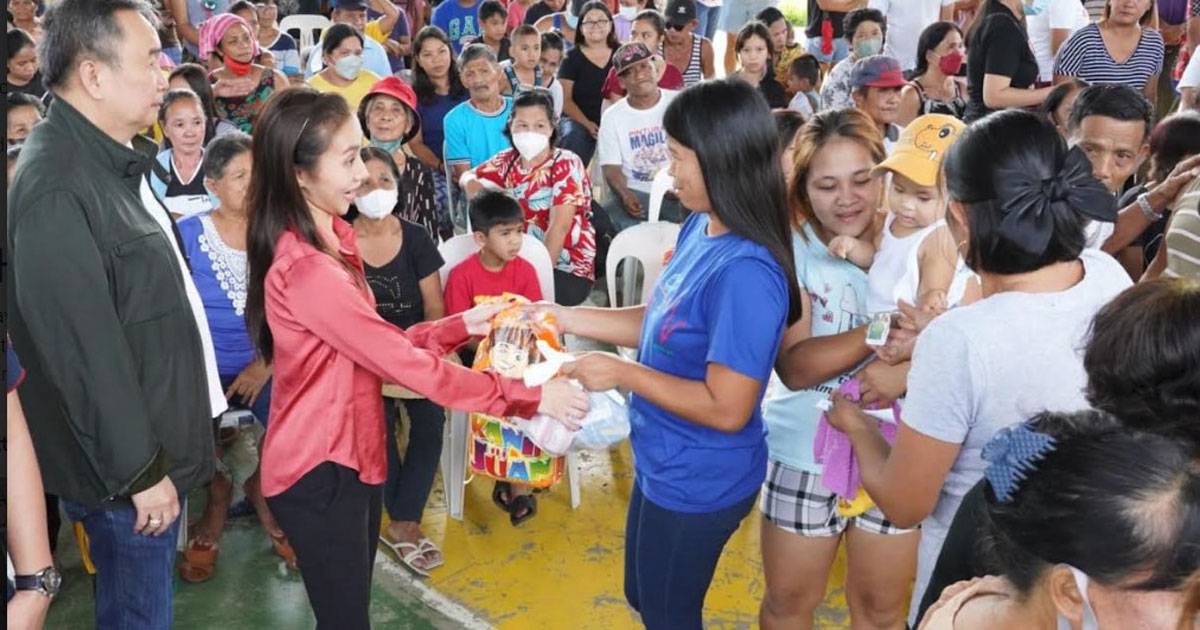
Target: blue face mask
[573, 21]
[390, 146]
[1036, 7]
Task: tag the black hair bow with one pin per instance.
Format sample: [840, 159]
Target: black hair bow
[1030, 204]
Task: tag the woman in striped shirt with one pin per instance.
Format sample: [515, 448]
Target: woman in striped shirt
[1116, 50]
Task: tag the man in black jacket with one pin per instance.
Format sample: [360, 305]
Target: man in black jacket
[122, 384]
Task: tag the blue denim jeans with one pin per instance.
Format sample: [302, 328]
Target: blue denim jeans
[671, 210]
[133, 572]
[709, 18]
[670, 558]
[577, 139]
[410, 479]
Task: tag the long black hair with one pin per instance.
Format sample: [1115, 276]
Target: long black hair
[740, 165]
[1120, 505]
[197, 77]
[291, 134]
[422, 84]
[931, 38]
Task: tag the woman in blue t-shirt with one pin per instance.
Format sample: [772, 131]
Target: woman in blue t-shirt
[215, 244]
[834, 194]
[439, 89]
[707, 341]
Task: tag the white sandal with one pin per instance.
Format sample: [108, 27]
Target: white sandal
[428, 546]
[407, 552]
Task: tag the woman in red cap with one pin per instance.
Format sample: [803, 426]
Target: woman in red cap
[390, 119]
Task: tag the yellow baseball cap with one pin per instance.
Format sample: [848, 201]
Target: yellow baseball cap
[922, 146]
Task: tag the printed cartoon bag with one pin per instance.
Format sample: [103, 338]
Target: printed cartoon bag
[497, 448]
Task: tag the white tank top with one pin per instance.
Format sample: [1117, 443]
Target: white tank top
[896, 275]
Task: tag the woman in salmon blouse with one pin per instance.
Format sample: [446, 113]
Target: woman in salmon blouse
[312, 315]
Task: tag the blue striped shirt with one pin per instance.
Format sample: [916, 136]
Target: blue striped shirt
[1085, 56]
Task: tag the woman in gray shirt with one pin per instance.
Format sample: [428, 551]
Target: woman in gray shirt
[1019, 204]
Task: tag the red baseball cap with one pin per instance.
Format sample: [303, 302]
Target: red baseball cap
[396, 88]
[877, 71]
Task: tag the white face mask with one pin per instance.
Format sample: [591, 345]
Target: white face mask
[378, 203]
[530, 144]
[348, 67]
[627, 12]
[1089, 615]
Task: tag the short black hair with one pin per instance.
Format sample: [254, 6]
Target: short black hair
[492, 208]
[787, 123]
[1120, 505]
[242, 5]
[1119, 102]
[489, 9]
[13, 100]
[806, 67]
[74, 28]
[221, 151]
[1143, 358]
[1004, 142]
[858, 16]
[770, 15]
[551, 40]
[1059, 94]
[15, 40]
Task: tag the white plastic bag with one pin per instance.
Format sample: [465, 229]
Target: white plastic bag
[606, 423]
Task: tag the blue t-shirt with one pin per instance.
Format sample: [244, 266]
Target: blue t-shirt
[461, 24]
[433, 117]
[219, 272]
[723, 300]
[399, 31]
[838, 292]
[474, 136]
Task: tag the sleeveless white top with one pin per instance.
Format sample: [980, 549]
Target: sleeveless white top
[896, 275]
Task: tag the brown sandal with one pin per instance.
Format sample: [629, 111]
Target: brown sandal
[284, 550]
[199, 561]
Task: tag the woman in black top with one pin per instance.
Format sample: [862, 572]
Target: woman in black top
[23, 72]
[401, 265]
[1001, 67]
[582, 75]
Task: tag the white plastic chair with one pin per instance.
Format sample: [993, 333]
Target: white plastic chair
[659, 187]
[646, 243]
[454, 445]
[307, 28]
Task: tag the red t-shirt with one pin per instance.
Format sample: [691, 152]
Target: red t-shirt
[470, 279]
[672, 79]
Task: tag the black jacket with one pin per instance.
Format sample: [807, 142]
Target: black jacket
[116, 393]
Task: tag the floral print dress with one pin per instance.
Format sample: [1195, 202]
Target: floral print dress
[561, 180]
[242, 111]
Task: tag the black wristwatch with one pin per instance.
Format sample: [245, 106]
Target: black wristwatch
[47, 582]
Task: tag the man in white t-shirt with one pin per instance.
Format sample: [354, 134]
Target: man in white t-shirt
[905, 21]
[1189, 85]
[1049, 29]
[632, 144]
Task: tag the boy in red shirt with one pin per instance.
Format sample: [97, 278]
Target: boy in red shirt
[498, 225]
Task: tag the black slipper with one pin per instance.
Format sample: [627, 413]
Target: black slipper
[502, 495]
[522, 503]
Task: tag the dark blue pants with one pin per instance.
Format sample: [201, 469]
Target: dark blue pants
[577, 139]
[133, 572]
[670, 558]
[408, 482]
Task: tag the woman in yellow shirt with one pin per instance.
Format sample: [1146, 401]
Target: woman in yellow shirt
[342, 52]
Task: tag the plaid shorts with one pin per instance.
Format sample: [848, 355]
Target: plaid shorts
[795, 501]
